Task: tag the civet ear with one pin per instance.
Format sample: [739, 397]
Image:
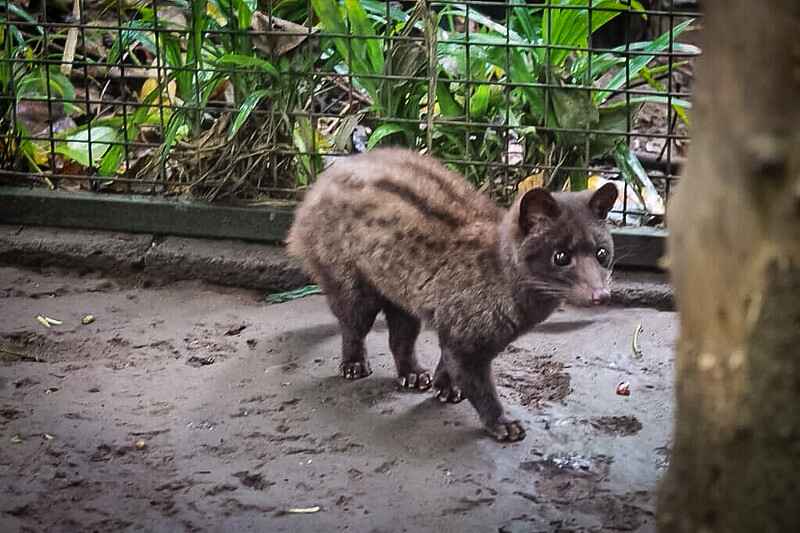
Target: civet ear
[603, 200]
[537, 205]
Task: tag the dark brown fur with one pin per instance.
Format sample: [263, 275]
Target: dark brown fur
[395, 231]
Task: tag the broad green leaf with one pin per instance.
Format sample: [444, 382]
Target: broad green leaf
[523, 13]
[602, 63]
[292, 10]
[615, 116]
[573, 109]
[194, 48]
[241, 60]
[653, 98]
[7, 45]
[383, 131]
[483, 20]
[144, 114]
[307, 141]
[361, 28]
[244, 111]
[611, 119]
[479, 102]
[634, 174]
[209, 86]
[522, 71]
[173, 56]
[570, 27]
[332, 21]
[448, 107]
[244, 16]
[76, 145]
[453, 58]
[65, 88]
[640, 61]
[177, 130]
[111, 160]
[24, 15]
[34, 154]
[330, 15]
[34, 86]
[136, 32]
[654, 83]
[244, 10]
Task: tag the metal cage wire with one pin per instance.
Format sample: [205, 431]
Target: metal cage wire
[108, 90]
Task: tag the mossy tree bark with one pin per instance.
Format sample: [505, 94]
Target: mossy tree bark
[734, 251]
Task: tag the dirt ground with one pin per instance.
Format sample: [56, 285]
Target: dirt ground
[190, 407]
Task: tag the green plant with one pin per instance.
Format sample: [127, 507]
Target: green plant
[389, 77]
[204, 56]
[545, 69]
[525, 84]
[23, 84]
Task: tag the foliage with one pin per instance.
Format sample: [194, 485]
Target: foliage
[469, 87]
[391, 78]
[545, 97]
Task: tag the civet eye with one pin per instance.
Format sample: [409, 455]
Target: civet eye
[603, 256]
[562, 258]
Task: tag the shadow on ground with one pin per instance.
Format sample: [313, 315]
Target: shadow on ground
[191, 407]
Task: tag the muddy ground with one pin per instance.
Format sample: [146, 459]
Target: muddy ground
[190, 407]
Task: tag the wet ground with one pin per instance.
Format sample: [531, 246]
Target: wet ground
[190, 407]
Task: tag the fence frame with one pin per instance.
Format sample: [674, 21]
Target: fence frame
[73, 209]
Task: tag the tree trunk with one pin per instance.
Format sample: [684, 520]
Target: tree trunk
[734, 252]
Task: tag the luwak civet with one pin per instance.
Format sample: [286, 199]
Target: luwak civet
[394, 231]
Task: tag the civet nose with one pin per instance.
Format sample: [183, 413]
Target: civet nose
[601, 296]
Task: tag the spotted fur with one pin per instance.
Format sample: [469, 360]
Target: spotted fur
[395, 231]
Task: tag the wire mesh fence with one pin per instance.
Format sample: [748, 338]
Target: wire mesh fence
[245, 101]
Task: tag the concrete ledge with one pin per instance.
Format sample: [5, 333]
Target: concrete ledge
[232, 263]
[142, 214]
[236, 263]
[78, 249]
[639, 288]
[269, 224]
[224, 262]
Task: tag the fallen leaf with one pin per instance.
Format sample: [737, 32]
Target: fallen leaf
[149, 85]
[281, 297]
[235, 330]
[637, 351]
[303, 510]
[140, 444]
[72, 41]
[279, 38]
[87, 319]
[200, 361]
